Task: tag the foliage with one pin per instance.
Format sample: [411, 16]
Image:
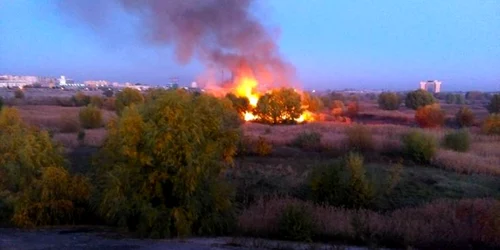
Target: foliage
[91, 117]
[343, 183]
[96, 101]
[419, 147]
[296, 224]
[307, 140]
[80, 99]
[474, 95]
[455, 99]
[126, 97]
[108, 93]
[337, 108]
[494, 105]
[359, 138]
[353, 108]
[419, 98]
[389, 101]
[109, 104]
[1, 103]
[241, 104]
[430, 116]
[68, 123]
[491, 125]
[465, 117]
[34, 186]
[312, 103]
[281, 106]
[457, 140]
[19, 94]
[159, 169]
[264, 148]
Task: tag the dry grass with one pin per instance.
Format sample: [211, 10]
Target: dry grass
[467, 163]
[440, 222]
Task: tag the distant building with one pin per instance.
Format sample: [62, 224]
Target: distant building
[11, 81]
[431, 86]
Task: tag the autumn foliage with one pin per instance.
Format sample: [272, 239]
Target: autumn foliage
[280, 106]
[430, 116]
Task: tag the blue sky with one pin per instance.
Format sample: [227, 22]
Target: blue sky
[334, 44]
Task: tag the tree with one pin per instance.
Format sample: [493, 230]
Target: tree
[280, 106]
[491, 125]
[389, 101]
[494, 105]
[126, 97]
[159, 169]
[91, 117]
[418, 98]
[96, 101]
[19, 94]
[451, 98]
[338, 108]
[80, 99]
[241, 104]
[430, 116]
[312, 102]
[465, 117]
[474, 95]
[35, 188]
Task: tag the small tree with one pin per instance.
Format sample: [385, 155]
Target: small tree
[126, 97]
[312, 102]
[491, 125]
[96, 101]
[359, 138]
[80, 99]
[494, 105]
[241, 104]
[457, 140]
[419, 147]
[90, 117]
[465, 117]
[419, 98]
[19, 94]
[279, 106]
[430, 116]
[451, 98]
[389, 101]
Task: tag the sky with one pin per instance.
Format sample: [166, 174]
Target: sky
[333, 44]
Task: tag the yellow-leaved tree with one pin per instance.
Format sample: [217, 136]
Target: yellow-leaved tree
[279, 106]
[159, 172]
[35, 187]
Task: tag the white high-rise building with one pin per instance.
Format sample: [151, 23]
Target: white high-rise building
[435, 85]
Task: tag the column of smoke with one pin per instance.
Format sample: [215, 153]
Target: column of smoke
[223, 34]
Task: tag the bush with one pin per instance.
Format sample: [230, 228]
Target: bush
[419, 98]
[430, 116]
[19, 94]
[281, 106]
[80, 99]
[389, 101]
[264, 148]
[35, 188]
[96, 101]
[494, 105]
[126, 97]
[419, 147]
[353, 108]
[296, 224]
[491, 125]
[109, 104]
[337, 108]
[457, 140]
[307, 140]
[167, 157]
[455, 99]
[343, 183]
[359, 138]
[91, 117]
[68, 124]
[465, 117]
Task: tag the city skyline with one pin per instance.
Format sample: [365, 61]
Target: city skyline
[333, 45]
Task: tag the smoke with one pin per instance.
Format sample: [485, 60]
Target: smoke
[220, 33]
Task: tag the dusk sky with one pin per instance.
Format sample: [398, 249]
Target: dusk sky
[333, 44]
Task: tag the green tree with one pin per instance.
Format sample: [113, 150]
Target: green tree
[80, 99]
[280, 106]
[494, 105]
[451, 98]
[389, 101]
[126, 97]
[160, 167]
[419, 147]
[419, 98]
[35, 188]
[91, 117]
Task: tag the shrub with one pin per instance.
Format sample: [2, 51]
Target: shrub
[389, 101]
[491, 125]
[167, 158]
[419, 98]
[455, 99]
[353, 108]
[296, 224]
[96, 101]
[281, 106]
[359, 138]
[241, 104]
[68, 124]
[19, 94]
[337, 108]
[465, 117]
[264, 148]
[494, 105]
[109, 104]
[126, 97]
[307, 140]
[457, 140]
[419, 147]
[80, 99]
[90, 117]
[430, 116]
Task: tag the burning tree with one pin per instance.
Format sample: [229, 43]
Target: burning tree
[279, 106]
